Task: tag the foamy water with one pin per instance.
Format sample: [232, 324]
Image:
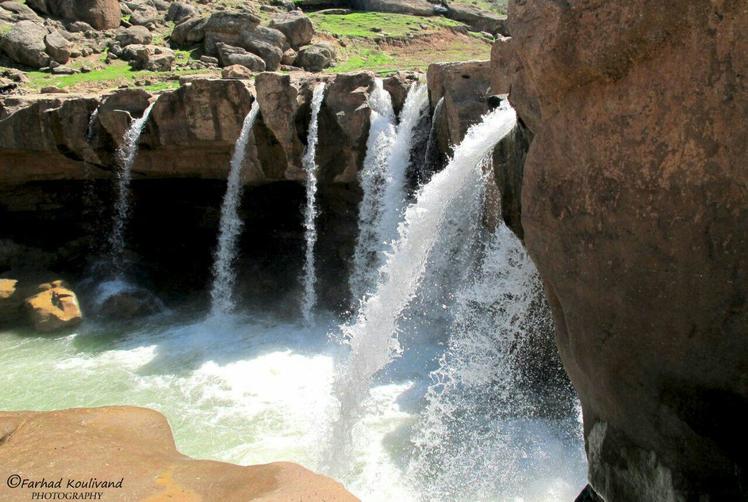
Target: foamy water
[264, 393]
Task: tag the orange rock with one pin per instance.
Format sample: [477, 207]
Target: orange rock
[54, 307]
[135, 445]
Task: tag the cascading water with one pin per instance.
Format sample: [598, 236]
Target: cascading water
[309, 162]
[373, 178]
[224, 276]
[91, 124]
[125, 155]
[483, 434]
[383, 183]
[432, 147]
[394, 197]
[373, 337]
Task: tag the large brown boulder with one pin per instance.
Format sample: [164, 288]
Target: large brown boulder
[296, 26]
[53, 308]
[135, 446]
[635, 209]
[24, 44]
[100, 14]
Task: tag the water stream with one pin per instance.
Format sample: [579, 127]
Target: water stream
[309, 161]
[224, 275]
[125, 155]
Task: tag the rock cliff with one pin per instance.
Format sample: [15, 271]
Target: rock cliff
[635, 209]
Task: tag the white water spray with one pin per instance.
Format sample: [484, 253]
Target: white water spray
[125, 155]
[481, 435]
[373, 178]
[224, 275]
[91, 124]
[373, 337]
[310, 209]
[383, 182]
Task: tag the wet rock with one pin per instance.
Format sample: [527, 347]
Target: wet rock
[24, 44]
[130, 304]
[134, 35]
[53, 308]
[229, 55]
[634, 208]
[136, 445]
[296, 26]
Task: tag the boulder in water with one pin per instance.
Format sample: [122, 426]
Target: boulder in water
[54, 307]
[129, 304]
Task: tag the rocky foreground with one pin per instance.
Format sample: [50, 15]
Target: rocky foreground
[78, 445]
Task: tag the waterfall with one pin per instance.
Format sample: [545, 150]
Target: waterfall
[383, 181]
[479, 432]
[394, 197]
[373, 179]
[91, 124]
[310, 209]
[431, 160]
[373, 336]
[224, 275]
[125, 155]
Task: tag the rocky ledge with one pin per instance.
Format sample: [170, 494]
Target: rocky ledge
[133, 449]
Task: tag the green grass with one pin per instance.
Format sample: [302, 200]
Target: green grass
[115, 74]
[366, 59]
[377, 24]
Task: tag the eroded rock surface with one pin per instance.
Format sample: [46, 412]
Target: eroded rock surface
[135, 445]
[635, 209]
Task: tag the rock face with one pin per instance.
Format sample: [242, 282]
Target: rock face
[635, 209]
[135, 445]
[465, 88]
[54, 308]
